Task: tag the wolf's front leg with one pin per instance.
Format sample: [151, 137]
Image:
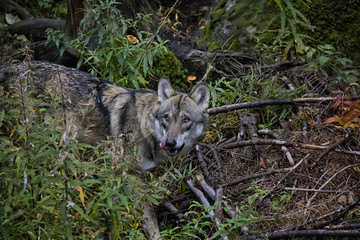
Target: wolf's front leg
[145, 165]
[150, 222]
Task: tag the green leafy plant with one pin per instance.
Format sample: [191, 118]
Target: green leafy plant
[56, 187]
[288, 34]
[201, 225]
[114, 48]
[251, 88]
[326, 57]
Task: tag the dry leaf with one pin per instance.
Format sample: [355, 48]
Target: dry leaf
[132, 39]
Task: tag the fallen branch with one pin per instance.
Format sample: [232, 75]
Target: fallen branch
[212, 193]
[202, 162]
[309, 190]
[284, 143]
[171, 207]
[261, 103]
[329, 149]
[200, 195]
[283, 148]
[307, 233]
[256, 175]
[333, 215]
[328, 181]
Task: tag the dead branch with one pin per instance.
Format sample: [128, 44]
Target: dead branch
[202, 162]
[328, 181]
[309, 190]
[256, 175]
[284, 143]
[200, 195]
[171, 207]
[329, 149]
[218, 197]
[250, 120]
[205, 186]
[336, 214]
[212, 193]
[283, 148]
[307, 233]
[261, 103]
[343, 226]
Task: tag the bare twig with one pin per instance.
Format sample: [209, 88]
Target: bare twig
[332, 215]
[212, 193]
[328, 181]
[284, 143]
[329, 149]
[256, 175]
[307, 233]
[310, 190]
[202, 162]
[200, 195]
[260, 103]
[171, 207]
[283, 148]
[287, 174]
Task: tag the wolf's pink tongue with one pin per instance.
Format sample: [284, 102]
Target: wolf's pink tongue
[162, 144]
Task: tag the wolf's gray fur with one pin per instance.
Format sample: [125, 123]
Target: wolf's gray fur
[162, 124]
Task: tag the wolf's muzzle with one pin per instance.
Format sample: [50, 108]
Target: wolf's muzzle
[169, 146]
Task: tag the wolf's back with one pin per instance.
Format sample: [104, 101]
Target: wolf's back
[76, 85]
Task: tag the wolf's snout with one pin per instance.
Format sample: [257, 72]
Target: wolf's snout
[170, 143]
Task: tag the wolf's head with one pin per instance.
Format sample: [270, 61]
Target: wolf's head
[180, 119]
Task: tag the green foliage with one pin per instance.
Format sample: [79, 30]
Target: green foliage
[288, 33]
[113, 47]
[326, 57]
[201, 224]
[336, 23]
[46, 8]
[251, 88]
[54, 187]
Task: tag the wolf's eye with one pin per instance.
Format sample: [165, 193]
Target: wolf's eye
[166, 117]
[186, 120]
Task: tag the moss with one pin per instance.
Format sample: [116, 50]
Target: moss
[340, 28]
[169, 66]
[227, 27]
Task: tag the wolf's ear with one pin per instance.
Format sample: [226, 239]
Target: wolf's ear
[165, 89]
[201, 95]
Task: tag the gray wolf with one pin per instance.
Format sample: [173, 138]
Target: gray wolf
[162, 124]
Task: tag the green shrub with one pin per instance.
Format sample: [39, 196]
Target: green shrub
[113, 47]
[54, 187]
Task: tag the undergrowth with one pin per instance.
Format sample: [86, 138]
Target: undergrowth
[113, 47]
[55, 187]
[251, 88]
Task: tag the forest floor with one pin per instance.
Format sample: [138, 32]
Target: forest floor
[309, 180]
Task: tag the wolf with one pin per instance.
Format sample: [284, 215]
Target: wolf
[163, 124]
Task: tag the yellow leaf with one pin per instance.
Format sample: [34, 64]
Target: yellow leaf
[191, 78]
[81, 194]
[132, 39]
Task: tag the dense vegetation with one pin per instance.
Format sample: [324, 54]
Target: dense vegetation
[56, 187]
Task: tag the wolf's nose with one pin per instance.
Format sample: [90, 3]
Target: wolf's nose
[171, 143]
